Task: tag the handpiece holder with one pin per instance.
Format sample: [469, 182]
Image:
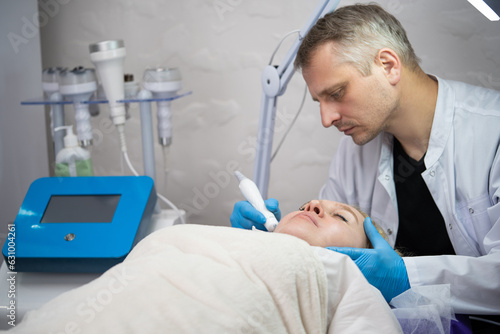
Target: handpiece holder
[274, 84]
[135, 99]
[144, 98]
[108, 58]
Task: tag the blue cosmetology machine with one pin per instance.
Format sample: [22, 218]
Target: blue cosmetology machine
[81, 224]
[274, 82]
[88, 224]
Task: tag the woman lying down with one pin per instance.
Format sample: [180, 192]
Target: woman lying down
[213, 279]
[425, 309]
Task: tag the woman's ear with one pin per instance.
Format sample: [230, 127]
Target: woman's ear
[390, 64]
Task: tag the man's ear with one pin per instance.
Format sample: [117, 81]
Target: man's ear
[390, 64]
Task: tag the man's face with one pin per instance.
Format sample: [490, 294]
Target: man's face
[326, 223]
[359, 106]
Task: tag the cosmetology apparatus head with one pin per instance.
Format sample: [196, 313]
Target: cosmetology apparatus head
[108, 57]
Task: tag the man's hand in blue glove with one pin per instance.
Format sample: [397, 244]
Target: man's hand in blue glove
[245, 215]
[382, 266]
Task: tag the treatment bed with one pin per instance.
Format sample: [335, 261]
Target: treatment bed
[211, 279]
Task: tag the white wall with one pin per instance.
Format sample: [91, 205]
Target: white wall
[221, 47]
[23, 149]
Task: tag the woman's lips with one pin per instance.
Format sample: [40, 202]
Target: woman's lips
[309, 216]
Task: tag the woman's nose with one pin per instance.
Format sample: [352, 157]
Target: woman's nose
[315, 206]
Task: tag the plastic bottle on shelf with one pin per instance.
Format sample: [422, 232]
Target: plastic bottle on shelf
[72, 160]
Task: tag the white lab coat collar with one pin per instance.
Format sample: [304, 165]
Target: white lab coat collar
[442, 123]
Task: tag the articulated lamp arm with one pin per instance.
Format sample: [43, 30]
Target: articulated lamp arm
[274, 83]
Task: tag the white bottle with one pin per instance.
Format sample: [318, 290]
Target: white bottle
[72, 160]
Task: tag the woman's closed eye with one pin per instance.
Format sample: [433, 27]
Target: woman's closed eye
[340, 216]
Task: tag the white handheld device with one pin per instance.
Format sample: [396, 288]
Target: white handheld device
[252, 194]
[164, 83]
[108, 59]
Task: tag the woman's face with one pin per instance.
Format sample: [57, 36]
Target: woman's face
[326, 224]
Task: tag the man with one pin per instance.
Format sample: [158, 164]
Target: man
[421, 156]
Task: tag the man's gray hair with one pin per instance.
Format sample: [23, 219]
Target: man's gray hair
[359, 32]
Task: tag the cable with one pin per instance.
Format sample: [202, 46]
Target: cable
[165, 168]
[125, 155]
[123, 148]
[164, 199]
[279, 44]
[291, 125]
[303, 98]
[484, 320]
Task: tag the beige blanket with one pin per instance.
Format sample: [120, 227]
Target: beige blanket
[197, 279]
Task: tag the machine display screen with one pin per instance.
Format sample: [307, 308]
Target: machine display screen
[81, 209]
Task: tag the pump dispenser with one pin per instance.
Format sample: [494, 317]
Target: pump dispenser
[72, 160]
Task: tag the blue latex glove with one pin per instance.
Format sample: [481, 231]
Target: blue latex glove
[382, 266]
[245, 215]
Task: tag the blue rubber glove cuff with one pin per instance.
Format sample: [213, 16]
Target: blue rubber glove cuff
[382, 266]
[245, 216]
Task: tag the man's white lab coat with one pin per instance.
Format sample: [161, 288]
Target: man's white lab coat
[462, 174]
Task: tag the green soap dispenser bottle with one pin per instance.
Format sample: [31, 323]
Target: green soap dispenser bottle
[72, 160]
